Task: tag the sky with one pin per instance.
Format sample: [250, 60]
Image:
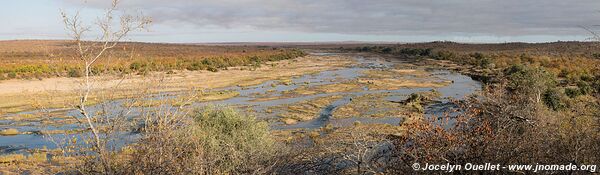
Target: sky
[201, 21]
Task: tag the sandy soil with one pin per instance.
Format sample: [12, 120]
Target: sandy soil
[18, 95]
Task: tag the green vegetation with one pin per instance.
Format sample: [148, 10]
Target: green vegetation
[218, 140]
[397, 51]
[231, 139]
[553, 99]
[529, 81]
[540, 72]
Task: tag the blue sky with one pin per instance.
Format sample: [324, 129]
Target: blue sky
[199, 21]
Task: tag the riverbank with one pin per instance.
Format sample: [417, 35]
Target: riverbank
[23, 95]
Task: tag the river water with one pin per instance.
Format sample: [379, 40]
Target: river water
[460, 87]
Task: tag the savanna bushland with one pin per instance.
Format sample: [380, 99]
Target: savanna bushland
[296, 109]
[534, 108]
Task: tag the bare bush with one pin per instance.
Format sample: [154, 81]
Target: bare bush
[349, 151]
[502, 128]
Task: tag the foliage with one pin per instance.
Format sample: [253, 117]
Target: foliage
[572, 92]
[232, 140]
[529, 81]
[75, 73]
[553, 99]
[481, 60]
[585, 87]
[214, 140]
[391, 50]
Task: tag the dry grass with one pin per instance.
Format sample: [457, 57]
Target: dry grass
[392, 79]
[330, 88]
[306, 110]
[394, 84]
[35, 163]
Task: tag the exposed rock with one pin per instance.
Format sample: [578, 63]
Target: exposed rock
[289, 121]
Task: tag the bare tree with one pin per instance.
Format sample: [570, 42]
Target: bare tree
[113, 27]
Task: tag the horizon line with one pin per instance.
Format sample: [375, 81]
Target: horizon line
[316, 42]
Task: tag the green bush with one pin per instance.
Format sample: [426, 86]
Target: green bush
[552, 99]
[387, 50]
[414, 97]
[195, 66]
[135, 66]
[585, 88]
[444, 55]
[75, 73]
[12, 74]
[214, 140]
[212, 69]
[572, 92]
[529, 81]
[481, 60]
[596, 55]
[232, 140]
[416, 51]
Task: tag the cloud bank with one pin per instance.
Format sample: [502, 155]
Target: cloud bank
[377, 17]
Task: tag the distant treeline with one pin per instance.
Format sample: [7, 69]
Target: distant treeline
[571, 67]
[136, 58]
[566, 75]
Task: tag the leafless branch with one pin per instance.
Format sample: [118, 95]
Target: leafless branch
[89, 52]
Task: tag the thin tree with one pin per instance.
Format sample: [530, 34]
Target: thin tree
[113, 27]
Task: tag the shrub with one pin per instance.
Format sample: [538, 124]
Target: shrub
[572, 92]
[231, 140]
[365, 49]
[585, 88]
[586, 77]
[217, 140]
[387, 50]
[12, 74]
[75, 73]
[414, 97]
[552, 99]
[444, 55]
[143, 72]
[481, 60]
[529, 81]
[195, 66]
[500, 128]
[167, 152]
[596, 55]
[212, 69]
[416, 52]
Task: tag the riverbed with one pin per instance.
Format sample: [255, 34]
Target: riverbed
[307, 102]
